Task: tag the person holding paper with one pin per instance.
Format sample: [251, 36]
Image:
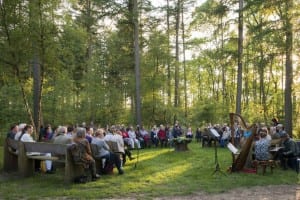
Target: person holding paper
[289, 152]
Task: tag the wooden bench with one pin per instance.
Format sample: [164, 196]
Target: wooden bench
[10, 155]
[16, 158]
[264, 164]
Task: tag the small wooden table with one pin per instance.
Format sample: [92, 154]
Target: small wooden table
[181, 144]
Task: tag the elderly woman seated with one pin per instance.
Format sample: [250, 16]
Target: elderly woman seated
[108, 158]
[84, 155]
[262, 146]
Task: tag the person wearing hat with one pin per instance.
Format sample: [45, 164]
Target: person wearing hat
[289, 152]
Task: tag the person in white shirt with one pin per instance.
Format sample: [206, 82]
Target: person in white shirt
[225, 136]
[26, 134]
[121, 148]
[132, 135]
[26, 137]
[18, 134]
[108, 135]
[107, 157]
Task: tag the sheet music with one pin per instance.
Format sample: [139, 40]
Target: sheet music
[232, 148]
[275, 149]
[214, 132]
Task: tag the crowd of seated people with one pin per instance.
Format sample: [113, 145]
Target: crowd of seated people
[129, 138]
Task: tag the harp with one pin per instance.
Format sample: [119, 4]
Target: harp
[240, 161]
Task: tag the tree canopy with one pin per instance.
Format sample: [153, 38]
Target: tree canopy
[73, 61]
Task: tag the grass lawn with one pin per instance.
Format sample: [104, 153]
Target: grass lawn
[159, 172]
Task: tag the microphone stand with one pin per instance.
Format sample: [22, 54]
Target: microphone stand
[137, 158]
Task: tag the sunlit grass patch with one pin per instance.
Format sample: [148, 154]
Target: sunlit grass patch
[158, 171]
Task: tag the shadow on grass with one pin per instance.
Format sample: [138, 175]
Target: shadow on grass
[159, 172]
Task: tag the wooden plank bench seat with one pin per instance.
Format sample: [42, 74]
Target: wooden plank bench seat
[10, 156]
[42, 157]
[264, 164]
[17, 157]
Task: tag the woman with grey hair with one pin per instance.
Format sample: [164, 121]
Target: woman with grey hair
[85, 152]
[60, 136]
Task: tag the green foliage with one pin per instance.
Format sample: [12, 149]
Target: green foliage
[179, 140]
[159, 172]
[88, 65]
[207, 112]
[11, 110]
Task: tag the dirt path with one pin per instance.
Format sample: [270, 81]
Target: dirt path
[277, 192]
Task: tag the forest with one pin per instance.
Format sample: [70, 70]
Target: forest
[149, 62]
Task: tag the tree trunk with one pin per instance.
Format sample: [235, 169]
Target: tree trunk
[288, 105]
[184, 64]
[240, 60]
[35, 16]
[25, 99]
[137, 63]
[168, 59]
[36, 93]
[176, 89]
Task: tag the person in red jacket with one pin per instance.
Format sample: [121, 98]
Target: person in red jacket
[162, 136]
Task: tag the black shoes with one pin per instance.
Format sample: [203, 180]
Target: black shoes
[94, 178]
[121, 171]
[131, 158]
[49, 172]
[81, 179]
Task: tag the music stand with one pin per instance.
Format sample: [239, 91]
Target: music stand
[137, 158]
[215, 135]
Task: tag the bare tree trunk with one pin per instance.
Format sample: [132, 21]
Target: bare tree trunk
[35, 16]
[184, 64]
[199, 84]
[25, 99]
[240, 60]
[288, 105]
[137, 63]
[262, 92]
[176, 89]
[224, 99]
[89, 32]
[36, 93]
[168, 59]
